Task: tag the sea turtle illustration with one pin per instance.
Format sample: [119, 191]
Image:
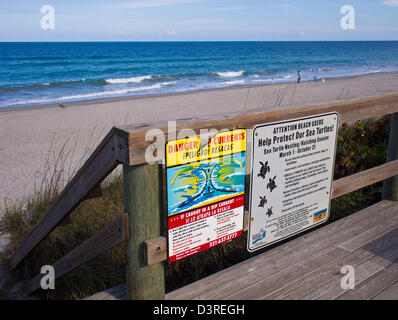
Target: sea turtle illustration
[271, 184]
[205, 180]
[263, 201]
[269, 212]
[264, 169]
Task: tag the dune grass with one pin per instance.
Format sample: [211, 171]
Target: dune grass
[361, 145]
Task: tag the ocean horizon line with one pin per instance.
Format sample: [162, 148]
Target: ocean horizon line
[190, 41]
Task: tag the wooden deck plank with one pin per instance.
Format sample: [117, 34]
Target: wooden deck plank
[264, 286]
[382, 258]
[315, 279]
[115, 293]
[374, 286]
[363, 238]
[383, 280]
[391, 293]
[331, 272]
[362, 273]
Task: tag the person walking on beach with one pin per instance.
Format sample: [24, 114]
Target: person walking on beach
[298, 76]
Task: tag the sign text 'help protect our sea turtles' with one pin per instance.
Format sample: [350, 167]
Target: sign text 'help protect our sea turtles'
[205, 192]
[291, 178]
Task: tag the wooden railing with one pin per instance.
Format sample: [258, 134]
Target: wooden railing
[143, 222]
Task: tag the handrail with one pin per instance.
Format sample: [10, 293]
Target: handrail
[99, 165]
[350, 110]
[364, 178]
[108, 237]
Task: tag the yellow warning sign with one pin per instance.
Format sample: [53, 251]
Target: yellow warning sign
[189, 150]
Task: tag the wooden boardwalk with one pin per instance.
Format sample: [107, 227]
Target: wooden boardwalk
[308, 267]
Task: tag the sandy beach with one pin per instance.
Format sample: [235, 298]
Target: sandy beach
[33, 136]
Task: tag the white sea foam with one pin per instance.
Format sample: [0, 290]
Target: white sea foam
[263, 80]
[230, 74]
[62, 81]
[234, 82]
[169, 83]
[278, 79]
[128, 80]
[94, 94]
[112, 92]
[323, 69]
[154, 86]
[72, 97]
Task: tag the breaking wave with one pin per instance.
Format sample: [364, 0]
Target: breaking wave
[128, 80]
[230, 74]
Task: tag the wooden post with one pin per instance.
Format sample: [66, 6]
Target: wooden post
[143, 203]
[390, 187]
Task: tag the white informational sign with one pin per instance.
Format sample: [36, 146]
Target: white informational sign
[291, 178]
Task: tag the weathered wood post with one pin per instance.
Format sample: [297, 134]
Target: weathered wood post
[143, 203]
[390, 187]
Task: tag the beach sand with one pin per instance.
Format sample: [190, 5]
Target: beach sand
[34, 136]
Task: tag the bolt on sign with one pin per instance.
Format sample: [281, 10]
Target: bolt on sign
[205, 192]
[291, 177]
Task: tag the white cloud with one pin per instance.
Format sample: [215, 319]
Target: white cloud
[158, 3]
[390, 3]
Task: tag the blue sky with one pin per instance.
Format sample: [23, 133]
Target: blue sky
[197, 20]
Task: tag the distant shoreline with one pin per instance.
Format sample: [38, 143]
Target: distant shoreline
[44, 74]
[171, 94]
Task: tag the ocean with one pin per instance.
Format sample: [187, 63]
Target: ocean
[46, 73]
